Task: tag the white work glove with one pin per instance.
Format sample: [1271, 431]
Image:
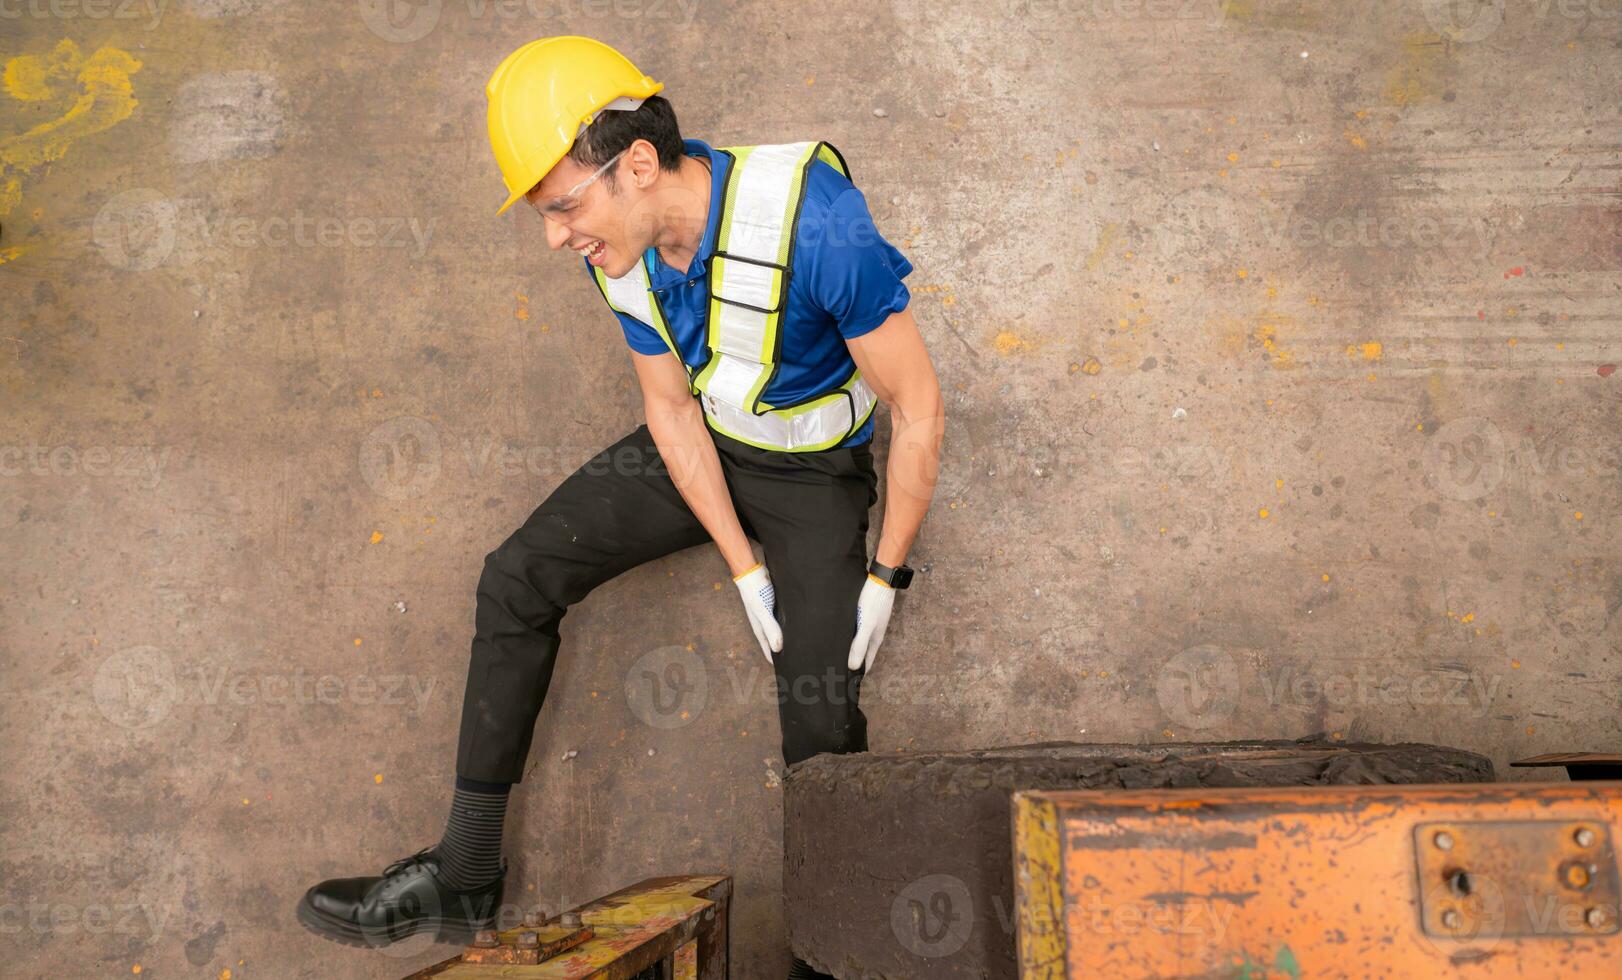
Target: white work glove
[760, 601]
[872, 619]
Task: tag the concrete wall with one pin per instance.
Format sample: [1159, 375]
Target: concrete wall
[1277, 337]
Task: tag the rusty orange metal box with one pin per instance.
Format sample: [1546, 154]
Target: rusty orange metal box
[1475, 880]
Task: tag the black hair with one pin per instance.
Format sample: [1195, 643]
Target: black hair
[615, 130]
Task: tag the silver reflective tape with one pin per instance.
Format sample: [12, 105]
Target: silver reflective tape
[629, 294]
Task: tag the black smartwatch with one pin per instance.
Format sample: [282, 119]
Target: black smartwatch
[896, 578]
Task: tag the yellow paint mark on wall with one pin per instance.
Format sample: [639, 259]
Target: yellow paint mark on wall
[1106, 237]
[7, 254]
[1356, 139]
[103, 97]
[1266, 334]
[1267, 330]
[1421, 71]
[1371, 351]
[1009, 342]
[1288, 17]
[1091, 366]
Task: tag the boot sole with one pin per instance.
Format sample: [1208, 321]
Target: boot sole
[340, 931]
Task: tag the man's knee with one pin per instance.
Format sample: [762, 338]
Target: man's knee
[797, 750]
[838, 732]
[527, 569]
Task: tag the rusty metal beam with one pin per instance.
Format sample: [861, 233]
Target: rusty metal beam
[1478, 880]
[680, 921]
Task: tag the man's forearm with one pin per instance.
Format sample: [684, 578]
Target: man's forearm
[689, 454]
[916, 432]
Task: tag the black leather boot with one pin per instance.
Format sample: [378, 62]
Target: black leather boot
[407, 899]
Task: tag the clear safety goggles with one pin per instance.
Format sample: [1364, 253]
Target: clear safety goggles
[562, 204]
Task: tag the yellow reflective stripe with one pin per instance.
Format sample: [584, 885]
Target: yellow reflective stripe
[785, 243]
[830, 156]
[820, 400]
[766, 445]
[814, 447]
[840, 393]
[791, 207]
[723, 235]
[771, 322]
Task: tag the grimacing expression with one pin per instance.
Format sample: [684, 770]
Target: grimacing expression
[593, 223]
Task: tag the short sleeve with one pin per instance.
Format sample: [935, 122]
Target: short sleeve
[640, 336]
[852, 272]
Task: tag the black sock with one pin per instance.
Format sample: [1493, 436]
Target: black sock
[470, 851]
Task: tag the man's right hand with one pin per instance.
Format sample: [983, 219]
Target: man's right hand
[760, 602]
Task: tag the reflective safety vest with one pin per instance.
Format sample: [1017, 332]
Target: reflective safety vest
[748, 278]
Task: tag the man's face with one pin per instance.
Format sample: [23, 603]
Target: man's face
[592, 221]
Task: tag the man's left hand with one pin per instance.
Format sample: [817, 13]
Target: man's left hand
[872, 618]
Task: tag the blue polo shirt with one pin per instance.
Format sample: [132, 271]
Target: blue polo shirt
[844, 280]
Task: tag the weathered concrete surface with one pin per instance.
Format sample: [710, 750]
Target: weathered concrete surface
[1280, 396]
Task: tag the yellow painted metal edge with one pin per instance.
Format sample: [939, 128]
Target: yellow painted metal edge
[1039, 889]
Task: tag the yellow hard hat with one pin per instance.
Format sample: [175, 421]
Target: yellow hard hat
[543, 93]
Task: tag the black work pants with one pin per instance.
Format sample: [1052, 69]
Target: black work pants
[619, 510]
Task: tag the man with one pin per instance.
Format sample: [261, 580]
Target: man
[767, 319]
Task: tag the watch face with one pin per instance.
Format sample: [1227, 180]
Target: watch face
[895, 578]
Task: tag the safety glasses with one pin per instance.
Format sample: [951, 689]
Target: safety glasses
[561, 205]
